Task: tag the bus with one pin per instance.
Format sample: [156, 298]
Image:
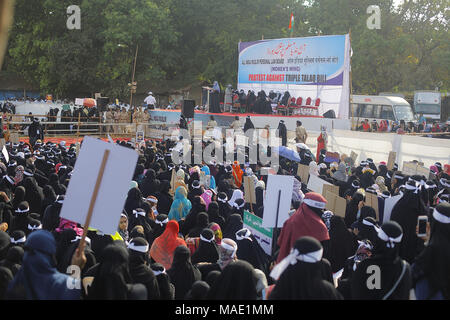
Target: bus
[428, 103]
[379, 108]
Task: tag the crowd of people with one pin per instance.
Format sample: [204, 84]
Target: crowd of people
[401, 127]
[181, 236]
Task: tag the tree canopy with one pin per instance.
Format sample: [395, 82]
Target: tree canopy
[197, 40]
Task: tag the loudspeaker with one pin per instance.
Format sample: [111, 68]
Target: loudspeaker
[102, 102]
[187, 109]
[330, 114]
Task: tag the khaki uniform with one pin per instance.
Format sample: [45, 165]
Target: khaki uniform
[109, 119]
[145, 120]
[123, 118]
[116, 120]
[300, 134]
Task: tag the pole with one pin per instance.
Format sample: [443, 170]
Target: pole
[275, 229]
[132, 78]
[94, 198]
[78, 127]
[350, 99]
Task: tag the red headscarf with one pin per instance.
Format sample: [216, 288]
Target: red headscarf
[304, 222]
[164, 246]
[237, 174]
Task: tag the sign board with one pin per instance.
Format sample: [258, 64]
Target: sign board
[330, 188]
[422, 171]
[275, 184]
[205, 180]
[139, 136]
[14, 137]
[79, 101]
[48, 97]
[335, 204]
[303, 173]
[263, 235]
[372, 201]
[249, 190]
[113, 188]
[267, 170]
[5, 153]
[316, 184]
[389, 204]
[409, 168]
[391, 160]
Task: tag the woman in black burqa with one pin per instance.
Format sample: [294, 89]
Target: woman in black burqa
[207, 249]
[165, 199]
[182, 273]
[405, 212]
[236, 282]
[299, 276]
[394, 275]
[140, 270]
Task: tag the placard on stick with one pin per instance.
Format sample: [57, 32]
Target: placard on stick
[249, 190]
[372, 201]
[335, 204]
[354, 156]
[275, 184]
[391, 160]
[316, 184]
[112, 187]
[330, 188]
[409, 168]
[303, 173]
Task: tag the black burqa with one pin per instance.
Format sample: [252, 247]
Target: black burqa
[236, 282]
[305, 280]
[34, 195]
[140, 270]
[214, 215]
[342, 243]
[351, 210]
[405, 212]
[182, 273]
[249, 250]
[233, 225]
[164, 198]
[166, 289]
[202, 223]
[282, 133]
[207, 250]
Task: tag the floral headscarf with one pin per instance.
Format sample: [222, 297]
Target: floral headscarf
[19, 175]
[217, 232]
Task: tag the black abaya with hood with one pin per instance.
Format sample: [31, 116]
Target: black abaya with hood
[405, 212]
[249, 250]
[150, 185]
[236, 282]
[140, 270]
[34, 195]
[394, 273]
[202, 223]
[233, 225]
[182, 273]
[164, 198]
[207, 250]
[214, 215]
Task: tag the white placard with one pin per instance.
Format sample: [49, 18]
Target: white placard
[389, 204]
[79, 101]
[5, 153]
[275, 183]
[113, 188]
[316, 184]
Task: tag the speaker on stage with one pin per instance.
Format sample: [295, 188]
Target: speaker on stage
[187, 109]
[102, 102]
[330, 114]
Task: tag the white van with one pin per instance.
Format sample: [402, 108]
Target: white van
[380, 108]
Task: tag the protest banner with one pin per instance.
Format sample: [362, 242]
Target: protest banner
[389, 204]
[263, 235]
[277, 202]
[99, 185]
[205, 180]
[335, 204]
[422, 171]
[249, 190]
[316, 184]
[391, 160]
[331, 188]
[332, 157]
[303, 173]
[372, 201]
[409, 168]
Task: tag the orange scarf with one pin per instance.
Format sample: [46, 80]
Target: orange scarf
[237, 174]
[164, 246]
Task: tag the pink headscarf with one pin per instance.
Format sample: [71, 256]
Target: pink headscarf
[206, 196]
[67, 224]
[434, 169]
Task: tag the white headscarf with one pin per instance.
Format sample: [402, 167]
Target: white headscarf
[237, 194]
[313, 168]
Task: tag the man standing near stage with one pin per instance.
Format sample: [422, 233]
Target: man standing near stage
[300, 133]
[35, 132]
[282, 133]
